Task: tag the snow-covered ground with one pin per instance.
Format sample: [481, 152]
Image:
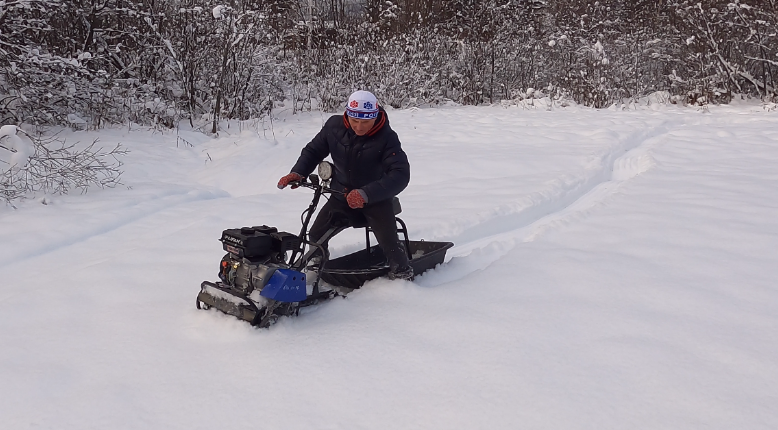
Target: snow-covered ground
[612, 270]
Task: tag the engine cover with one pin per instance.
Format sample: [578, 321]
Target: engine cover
[286, 285]
[258, 241]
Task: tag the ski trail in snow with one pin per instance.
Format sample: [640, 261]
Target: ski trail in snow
[550, 202]
[144, 207]
[478, 254]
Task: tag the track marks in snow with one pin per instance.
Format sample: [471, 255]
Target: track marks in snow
[483, 244]
[632, 164]
[97, 219]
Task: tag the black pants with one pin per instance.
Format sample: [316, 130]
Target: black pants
[380, 218]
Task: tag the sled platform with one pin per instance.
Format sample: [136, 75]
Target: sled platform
[353, 270]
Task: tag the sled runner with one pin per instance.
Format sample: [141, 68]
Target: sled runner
[265, 273]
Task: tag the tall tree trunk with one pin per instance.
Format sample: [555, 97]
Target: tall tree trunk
[219, 87]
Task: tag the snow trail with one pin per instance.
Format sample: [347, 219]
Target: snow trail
[21, 245]
[486, 243]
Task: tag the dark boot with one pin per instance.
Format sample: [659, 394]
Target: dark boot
[405, 273]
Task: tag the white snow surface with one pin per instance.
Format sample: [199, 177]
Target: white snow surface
[612, 270]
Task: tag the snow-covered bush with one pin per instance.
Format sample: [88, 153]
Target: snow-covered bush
[162, 62]
[31, 165]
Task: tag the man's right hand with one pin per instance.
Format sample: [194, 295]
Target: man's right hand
[292, 177]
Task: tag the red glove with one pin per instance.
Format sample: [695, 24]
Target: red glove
[355, 199]
[292, 177]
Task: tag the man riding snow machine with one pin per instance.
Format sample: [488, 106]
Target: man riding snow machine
[260, 281]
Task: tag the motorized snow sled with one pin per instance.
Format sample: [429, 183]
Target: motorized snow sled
[268, 273]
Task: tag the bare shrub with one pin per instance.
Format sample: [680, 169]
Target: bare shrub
[58, 167]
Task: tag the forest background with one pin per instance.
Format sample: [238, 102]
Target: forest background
[160, 62]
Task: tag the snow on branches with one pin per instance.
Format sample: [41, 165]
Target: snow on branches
[161, 62]
[49, 165]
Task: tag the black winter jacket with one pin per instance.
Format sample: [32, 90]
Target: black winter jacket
[374, 163]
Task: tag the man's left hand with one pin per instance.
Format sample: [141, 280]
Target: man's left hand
[355, 200]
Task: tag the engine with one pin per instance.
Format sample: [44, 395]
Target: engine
[254, 255]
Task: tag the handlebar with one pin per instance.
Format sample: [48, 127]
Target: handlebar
[315, 186]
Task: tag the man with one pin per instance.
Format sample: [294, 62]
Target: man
[370, 169]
